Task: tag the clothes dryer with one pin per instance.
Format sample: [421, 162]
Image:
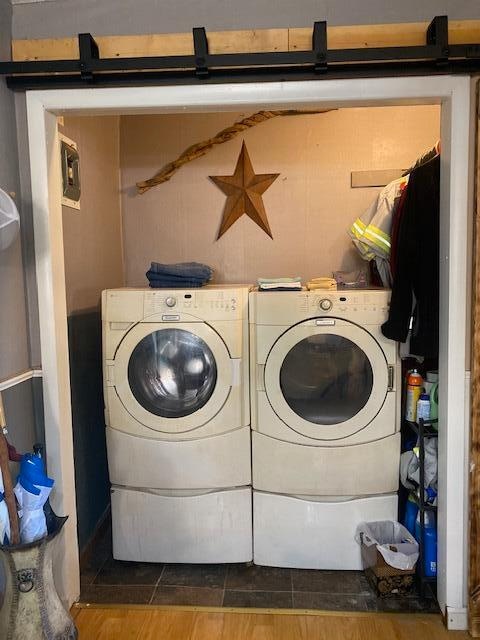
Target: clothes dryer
[177, 423]
[325, 421]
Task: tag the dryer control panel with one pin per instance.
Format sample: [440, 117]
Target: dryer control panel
[363, 306]
[347, 301]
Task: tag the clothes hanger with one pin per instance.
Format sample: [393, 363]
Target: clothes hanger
[424, 158]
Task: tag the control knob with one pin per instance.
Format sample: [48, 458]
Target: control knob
[325, 304]
[171, 301]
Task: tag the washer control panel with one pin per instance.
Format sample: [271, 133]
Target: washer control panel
[212, 303]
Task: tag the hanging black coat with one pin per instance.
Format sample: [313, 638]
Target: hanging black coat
[417, 276]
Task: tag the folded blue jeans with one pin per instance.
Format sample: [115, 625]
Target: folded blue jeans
[182, 270]
[189, 284]
[173, 279]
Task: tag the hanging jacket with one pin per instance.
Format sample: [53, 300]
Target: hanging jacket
[418, 270]
[397, 219]
[370, 232]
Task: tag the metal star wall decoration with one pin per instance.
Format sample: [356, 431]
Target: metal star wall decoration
[244, 194]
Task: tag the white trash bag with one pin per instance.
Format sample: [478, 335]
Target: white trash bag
[32, 521]
[9, 220]
[396, 544]
[4, 516]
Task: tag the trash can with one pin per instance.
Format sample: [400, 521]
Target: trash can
[389, 556]
[32, 609]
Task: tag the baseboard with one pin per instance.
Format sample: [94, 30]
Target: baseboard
[97, 534]
[457, 619]
[326, 613]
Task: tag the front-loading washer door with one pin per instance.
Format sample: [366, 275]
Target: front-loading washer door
[326, 378]
[172, 377]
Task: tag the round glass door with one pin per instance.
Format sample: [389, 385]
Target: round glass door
[172, 373]
[326, 379]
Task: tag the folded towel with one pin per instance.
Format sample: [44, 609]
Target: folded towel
[323, 280]
[312, 286]
[322, 283]
[183, 269]
[280, 286]
[262, 281]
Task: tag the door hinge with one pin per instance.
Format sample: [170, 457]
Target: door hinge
[110, 376]
[260, 377]
[236, 371]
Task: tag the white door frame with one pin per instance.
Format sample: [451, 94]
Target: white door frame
[452, 92]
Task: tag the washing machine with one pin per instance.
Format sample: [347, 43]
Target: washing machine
[325, 424]
[178, 423]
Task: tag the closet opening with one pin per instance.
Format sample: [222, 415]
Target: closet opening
[343, 166]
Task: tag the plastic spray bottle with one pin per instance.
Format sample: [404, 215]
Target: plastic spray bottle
[429, 542]
[414, 390]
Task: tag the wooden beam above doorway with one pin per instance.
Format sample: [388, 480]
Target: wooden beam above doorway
[247, 41]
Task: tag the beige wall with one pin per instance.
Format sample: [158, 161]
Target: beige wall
[60, 18]
[310, 206]
[93, 262]
[93, 235]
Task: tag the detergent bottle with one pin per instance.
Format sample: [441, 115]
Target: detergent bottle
[411, 512]
[414, 390]
[423, 407]
[429, 543]
[431, 387]
[434, 401]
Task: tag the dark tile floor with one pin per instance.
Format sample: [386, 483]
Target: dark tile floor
[105, 580]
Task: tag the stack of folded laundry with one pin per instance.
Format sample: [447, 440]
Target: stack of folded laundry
[279, 284]
[182, 274]
[322, 283]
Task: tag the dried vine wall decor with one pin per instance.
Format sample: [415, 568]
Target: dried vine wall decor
[201, 148]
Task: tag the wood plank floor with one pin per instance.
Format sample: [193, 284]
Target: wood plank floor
[151, 623]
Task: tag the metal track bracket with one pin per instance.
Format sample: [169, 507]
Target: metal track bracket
[319, 46]
[88, 49]
[437, 35]
[200, 47]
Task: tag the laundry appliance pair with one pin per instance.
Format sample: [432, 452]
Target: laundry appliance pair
[324, 418]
